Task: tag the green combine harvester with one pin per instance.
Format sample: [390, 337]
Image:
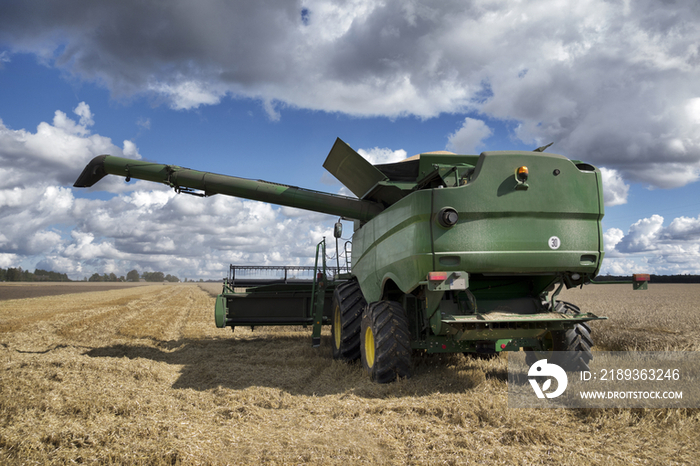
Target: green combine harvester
[450, 253]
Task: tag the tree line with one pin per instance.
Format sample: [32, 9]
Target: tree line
[18, 275]
[13, 274]
[133, 276]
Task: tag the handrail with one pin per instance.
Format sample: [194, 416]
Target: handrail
[317, 300]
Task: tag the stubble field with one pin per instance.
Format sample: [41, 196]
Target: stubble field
[140, 375]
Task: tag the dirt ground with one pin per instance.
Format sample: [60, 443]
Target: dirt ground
[141, 375]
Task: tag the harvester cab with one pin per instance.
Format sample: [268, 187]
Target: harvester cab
[450, 253]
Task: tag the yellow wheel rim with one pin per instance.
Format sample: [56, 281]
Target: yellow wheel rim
[337, 327]
[369, 347]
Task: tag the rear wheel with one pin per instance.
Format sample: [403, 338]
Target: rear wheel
[385, 342]
[572, 347]
[348, 304]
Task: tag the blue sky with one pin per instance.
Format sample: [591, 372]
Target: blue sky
[262, 90]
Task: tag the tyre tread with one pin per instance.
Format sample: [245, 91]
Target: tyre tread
[351, 303]
[392, 341]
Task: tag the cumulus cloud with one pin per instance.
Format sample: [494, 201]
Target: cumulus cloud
[610, 239]
[642, 235]
[624, 267]
[470, 136]
[83, 111]
[143, 225]
[615, 190]
[684, 228]
[378, 155]
[34, 202]
[56, 151]
[185, 95]
[7, 260]
[159, 230]
[651, 247]
[612, 83]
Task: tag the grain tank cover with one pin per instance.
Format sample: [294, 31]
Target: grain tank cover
[351, 169]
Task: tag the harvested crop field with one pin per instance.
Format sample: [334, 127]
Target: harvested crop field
[140, 375]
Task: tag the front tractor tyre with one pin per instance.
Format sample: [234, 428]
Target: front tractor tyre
[385, 342]
[348, 304]
[572, 347]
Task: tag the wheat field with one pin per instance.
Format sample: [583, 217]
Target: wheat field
[140, 375]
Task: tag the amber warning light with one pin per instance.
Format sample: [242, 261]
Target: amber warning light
[521, 174]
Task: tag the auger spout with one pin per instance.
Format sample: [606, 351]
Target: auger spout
[185, 180]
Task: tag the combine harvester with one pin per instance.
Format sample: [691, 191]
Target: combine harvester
[450, 253]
